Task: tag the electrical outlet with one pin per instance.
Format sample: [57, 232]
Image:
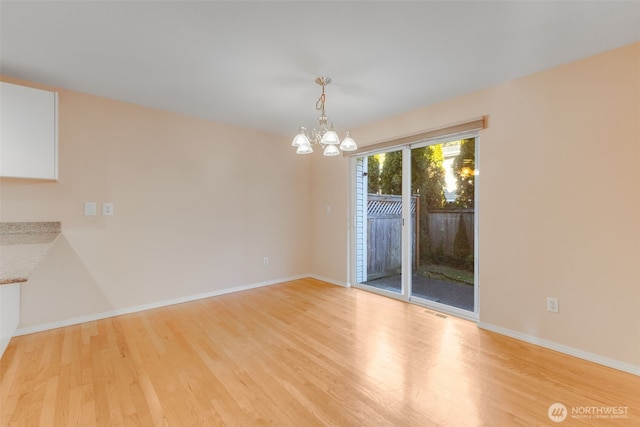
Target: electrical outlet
[266, 260]
[552, 304]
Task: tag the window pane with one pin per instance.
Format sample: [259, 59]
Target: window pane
[442, 185]
[384, 221]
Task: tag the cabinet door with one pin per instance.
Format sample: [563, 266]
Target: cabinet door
[28, 132]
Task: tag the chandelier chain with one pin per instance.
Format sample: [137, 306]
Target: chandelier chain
[320, 102]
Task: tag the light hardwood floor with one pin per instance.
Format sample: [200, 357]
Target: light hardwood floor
[302, 353]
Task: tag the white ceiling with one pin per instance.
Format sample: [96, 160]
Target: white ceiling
[254, 63]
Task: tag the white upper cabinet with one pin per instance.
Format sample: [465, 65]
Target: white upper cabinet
[28, 132]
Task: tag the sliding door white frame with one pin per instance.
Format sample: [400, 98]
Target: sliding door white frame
[406, 268]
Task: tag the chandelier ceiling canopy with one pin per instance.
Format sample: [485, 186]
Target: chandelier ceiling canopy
[325, 136]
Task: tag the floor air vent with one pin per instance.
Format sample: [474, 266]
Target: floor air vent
[443, 316]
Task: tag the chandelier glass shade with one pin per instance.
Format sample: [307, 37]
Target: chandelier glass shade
[325, 136]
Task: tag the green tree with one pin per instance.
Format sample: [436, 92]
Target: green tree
[373, 174]
[391, 174]
[461, 248]
[427, 182]
[464, 166]
[427, 175]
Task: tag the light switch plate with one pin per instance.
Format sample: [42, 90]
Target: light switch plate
[107, 209]
[89, 208]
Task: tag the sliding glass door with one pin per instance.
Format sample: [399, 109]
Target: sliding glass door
[415, 224]
[443, 180]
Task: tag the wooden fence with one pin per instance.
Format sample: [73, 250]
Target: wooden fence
[443, 226]
[384, 233]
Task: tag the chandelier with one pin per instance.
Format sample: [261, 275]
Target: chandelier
[326, 136]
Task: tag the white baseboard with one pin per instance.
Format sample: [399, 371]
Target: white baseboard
[591, 357]
[143, 307]
[333, 282]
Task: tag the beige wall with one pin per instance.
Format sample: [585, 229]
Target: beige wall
[559, 202]
[197, 204]
[330, 218]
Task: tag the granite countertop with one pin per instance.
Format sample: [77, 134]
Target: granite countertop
[22, 246]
